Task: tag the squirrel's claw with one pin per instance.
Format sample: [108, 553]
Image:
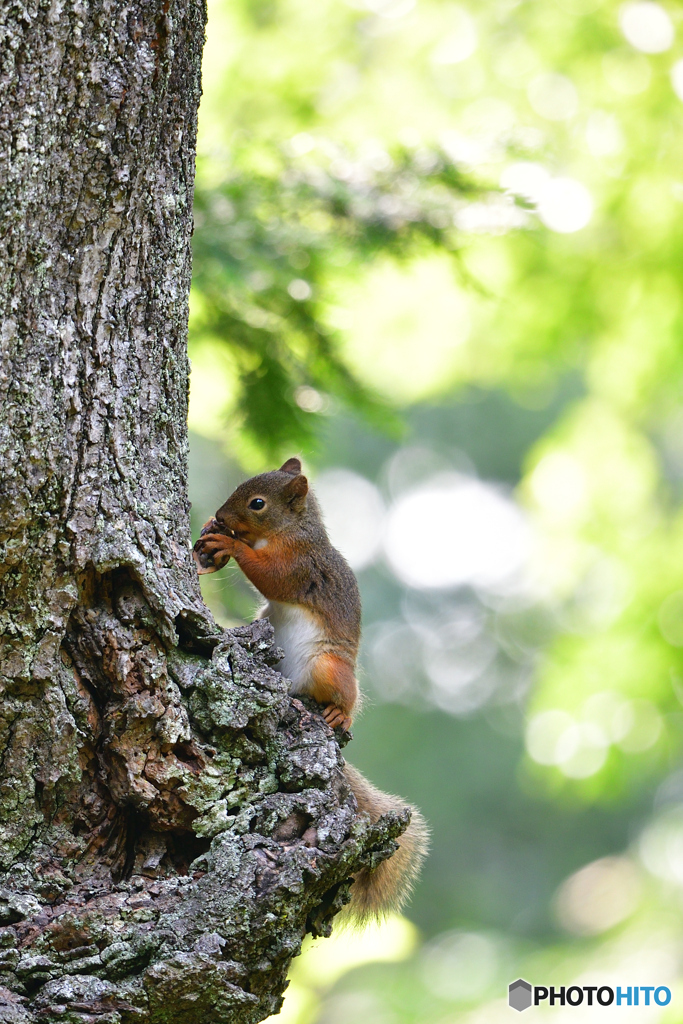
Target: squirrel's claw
[336, 718]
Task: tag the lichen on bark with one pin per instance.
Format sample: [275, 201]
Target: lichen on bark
[172, 822]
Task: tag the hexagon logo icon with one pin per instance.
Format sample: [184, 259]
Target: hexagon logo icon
[519, 995]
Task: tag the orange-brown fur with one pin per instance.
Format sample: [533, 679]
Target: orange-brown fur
[333, 683]
[284, 550]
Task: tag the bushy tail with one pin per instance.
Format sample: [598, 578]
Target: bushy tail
[377, 891]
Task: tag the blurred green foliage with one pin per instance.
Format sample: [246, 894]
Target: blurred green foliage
[257, 230]
[442, 242]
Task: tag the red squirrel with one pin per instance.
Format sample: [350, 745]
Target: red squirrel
[272, 526]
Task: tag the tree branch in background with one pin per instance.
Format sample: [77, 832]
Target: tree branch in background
[267, 247]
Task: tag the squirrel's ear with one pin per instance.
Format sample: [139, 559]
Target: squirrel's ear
[296, 491]
[292, 466]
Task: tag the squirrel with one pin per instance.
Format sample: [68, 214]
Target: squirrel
[273, 528]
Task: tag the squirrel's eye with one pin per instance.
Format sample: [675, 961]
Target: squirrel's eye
[257, 504]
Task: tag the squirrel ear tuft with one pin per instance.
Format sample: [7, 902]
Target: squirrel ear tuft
[296, 491]
[292, 466]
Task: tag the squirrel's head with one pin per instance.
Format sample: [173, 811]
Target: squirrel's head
[266, 504]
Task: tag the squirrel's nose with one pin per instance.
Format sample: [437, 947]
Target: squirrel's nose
[222, 521]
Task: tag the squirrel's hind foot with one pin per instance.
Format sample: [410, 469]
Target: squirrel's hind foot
[336, 718]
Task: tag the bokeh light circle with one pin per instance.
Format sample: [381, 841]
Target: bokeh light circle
[455, 530]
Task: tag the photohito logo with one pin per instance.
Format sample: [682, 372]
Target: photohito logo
[519, 995]
[522, 995]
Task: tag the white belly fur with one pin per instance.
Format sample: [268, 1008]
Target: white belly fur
[298, 633]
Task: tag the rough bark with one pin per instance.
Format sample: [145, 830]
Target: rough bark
[171, 821]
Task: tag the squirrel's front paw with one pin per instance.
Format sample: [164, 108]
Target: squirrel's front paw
[212, 551]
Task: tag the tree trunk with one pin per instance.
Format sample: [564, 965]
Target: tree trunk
[171, 821]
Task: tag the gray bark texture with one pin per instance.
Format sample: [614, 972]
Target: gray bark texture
[172, 822]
